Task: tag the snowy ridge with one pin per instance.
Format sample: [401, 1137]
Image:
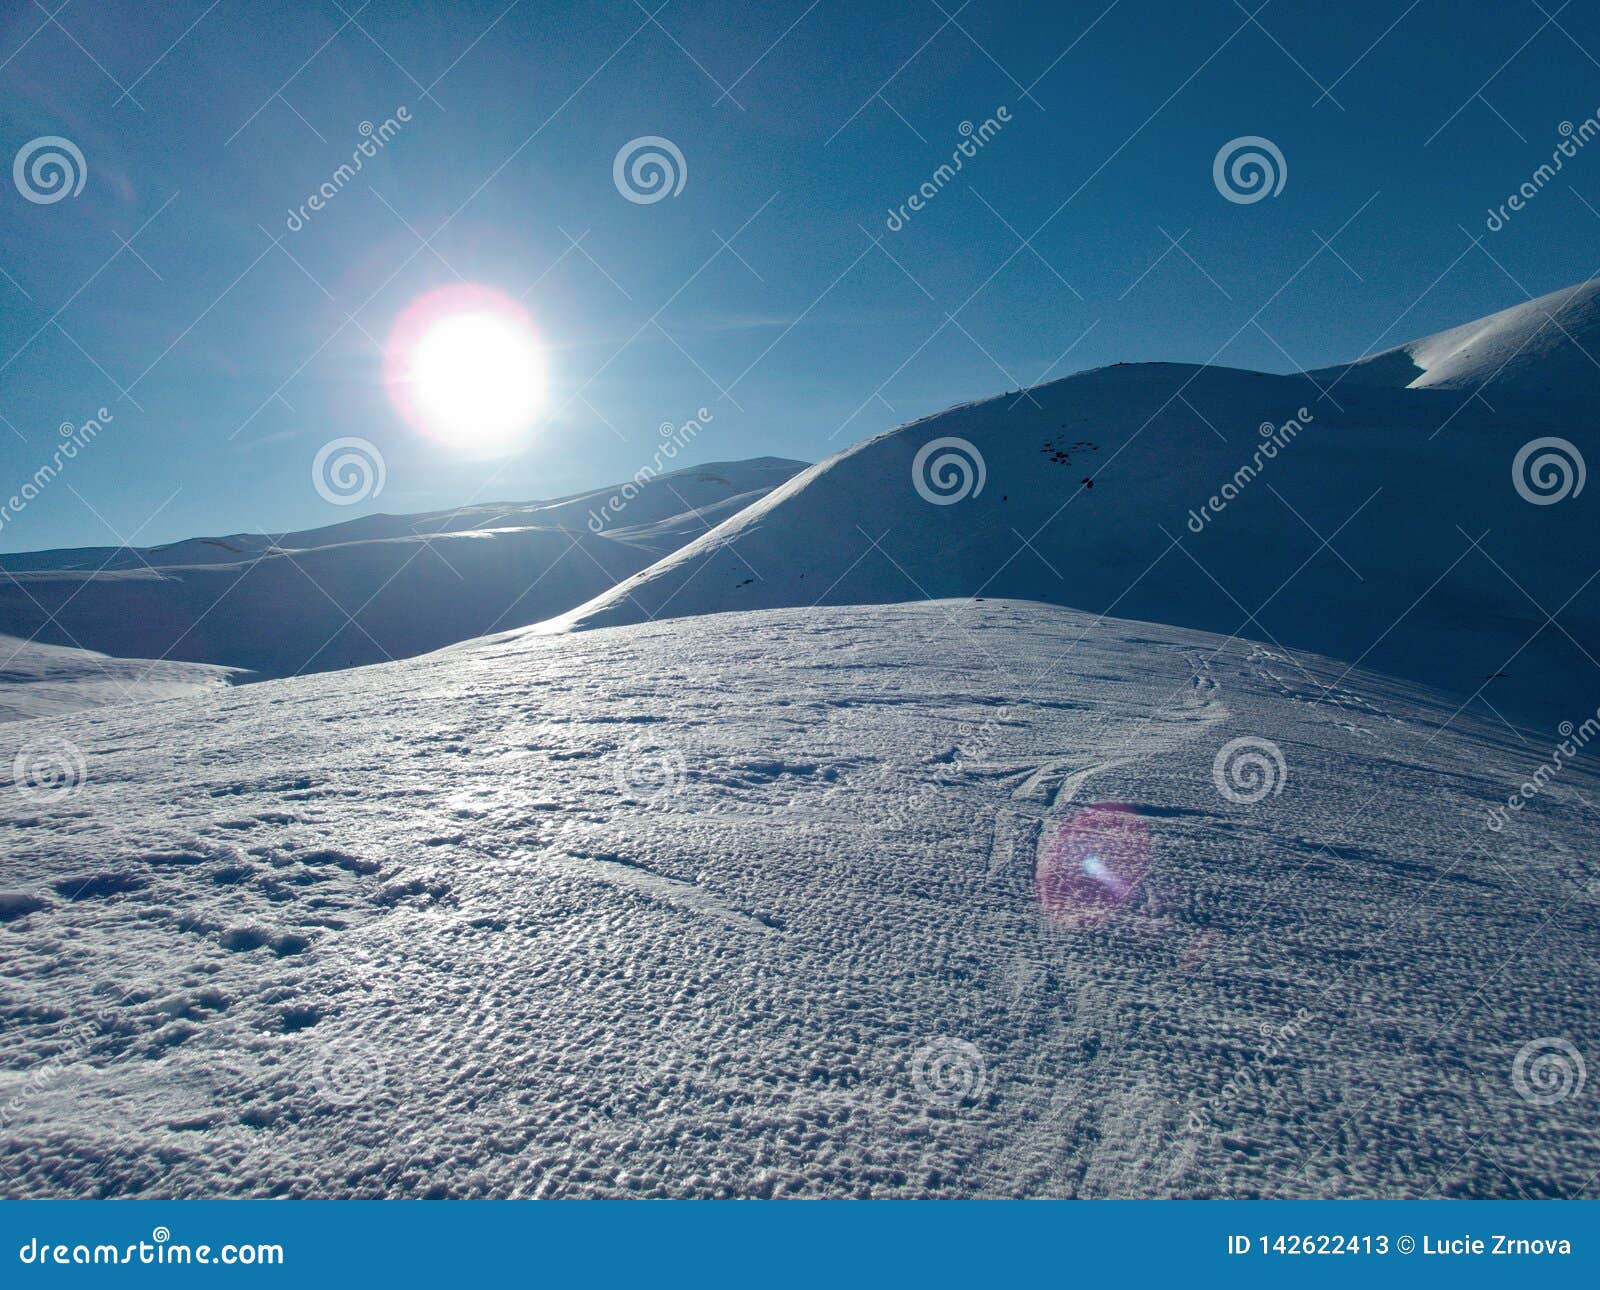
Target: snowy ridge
[1549, 346]
[1183, 495]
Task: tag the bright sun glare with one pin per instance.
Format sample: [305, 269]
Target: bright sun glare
[465, 365]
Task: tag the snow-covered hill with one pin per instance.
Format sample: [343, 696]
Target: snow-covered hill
[1198, 497]
[370, 589]
[48, 680]
[1115, 789]
[1550, 346]
[923, 900]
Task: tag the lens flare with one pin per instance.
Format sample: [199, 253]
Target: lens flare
[1092, 865]
[464, 365]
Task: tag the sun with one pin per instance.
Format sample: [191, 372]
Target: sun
[465, 365]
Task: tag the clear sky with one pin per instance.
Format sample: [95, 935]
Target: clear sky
[229, 346]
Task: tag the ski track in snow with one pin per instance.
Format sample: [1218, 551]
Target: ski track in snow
[746, 905]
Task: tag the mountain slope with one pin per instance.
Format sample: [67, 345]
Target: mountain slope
[1550, 345]
[49, 680]
[922, 900]
[370, 589]
[1101, 498]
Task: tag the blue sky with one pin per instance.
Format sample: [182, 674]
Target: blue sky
[769, 290]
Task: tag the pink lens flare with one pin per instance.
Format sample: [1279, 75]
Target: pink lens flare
[1092, 865]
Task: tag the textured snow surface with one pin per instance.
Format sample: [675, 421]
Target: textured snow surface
[1545, 346]
[751, 905]
[371, 589]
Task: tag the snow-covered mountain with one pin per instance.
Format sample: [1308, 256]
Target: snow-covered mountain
[1116, 789]
[1196, 497]
[1546, 346]
[370, 589]
[920, 900]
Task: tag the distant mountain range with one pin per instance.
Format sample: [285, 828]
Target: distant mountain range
[365, 591]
